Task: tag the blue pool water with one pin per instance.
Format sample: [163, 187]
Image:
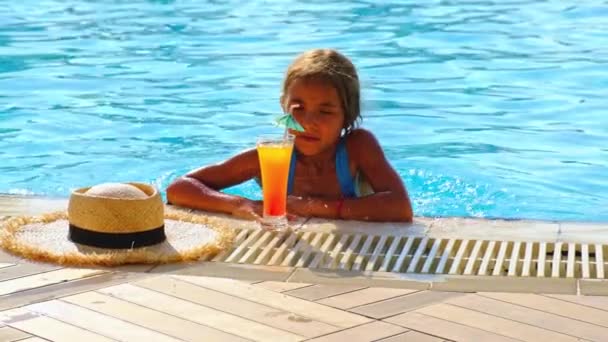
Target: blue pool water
[486, 108]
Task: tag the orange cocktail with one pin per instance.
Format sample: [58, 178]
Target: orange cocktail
[274, 154]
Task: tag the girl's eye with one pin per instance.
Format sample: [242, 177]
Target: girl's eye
[324, 112]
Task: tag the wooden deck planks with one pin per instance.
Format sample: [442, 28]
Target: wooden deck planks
[201, 314]
[597, 302]
[363, 333]
[5, 264]
[280, 318]
[363, 297]
[44, 279]
[298, 306]
[412, 336]
[47, 327]
[9, 334]
[532, 317]
[490, 323]
[96, 322]
[321, 291]
[554, 306]
[445, 329]
[280, 286]
[152, 319]
[24, 269]
[61, 289]
[402, 304]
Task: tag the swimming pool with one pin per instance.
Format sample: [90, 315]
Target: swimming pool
[489, 109]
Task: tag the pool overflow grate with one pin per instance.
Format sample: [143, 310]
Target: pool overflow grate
[422, 255]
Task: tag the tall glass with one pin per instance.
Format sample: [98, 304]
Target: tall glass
[274, 153]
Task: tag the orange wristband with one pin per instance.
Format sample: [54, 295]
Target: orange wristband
[339, 207]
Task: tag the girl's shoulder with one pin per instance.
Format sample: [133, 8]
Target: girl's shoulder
[363, 147]
[361, 139]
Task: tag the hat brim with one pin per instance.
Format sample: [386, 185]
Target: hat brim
[45, 238]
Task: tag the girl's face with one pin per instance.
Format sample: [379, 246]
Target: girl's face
[316, 105]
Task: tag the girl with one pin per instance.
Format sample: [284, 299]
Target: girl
[332, 158]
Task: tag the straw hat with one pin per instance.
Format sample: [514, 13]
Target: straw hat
[112, 224]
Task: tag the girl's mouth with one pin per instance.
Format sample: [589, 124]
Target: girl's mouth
[307, 138]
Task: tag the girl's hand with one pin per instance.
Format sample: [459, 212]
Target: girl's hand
[249, 210]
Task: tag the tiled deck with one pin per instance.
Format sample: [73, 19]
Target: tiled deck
[210, 302]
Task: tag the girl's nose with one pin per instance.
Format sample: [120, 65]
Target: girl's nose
[309, 120]
[310, 116]
[304, 116]
[307, 116]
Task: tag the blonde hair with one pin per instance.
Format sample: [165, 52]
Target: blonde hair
[330, 66]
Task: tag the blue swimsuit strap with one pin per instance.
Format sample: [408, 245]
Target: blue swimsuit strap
[347, 183]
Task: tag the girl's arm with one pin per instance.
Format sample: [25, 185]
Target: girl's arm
[200, 189]
[390, 201]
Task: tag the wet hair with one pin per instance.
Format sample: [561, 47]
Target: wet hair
[329, 66]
